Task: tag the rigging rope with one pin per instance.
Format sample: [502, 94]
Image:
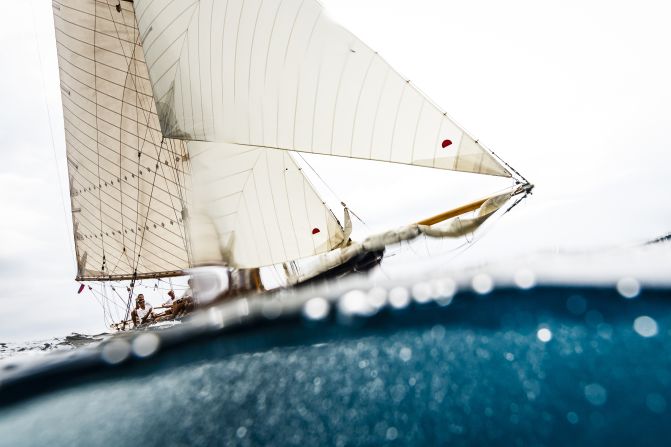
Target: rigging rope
[342, 202]
[102, 306]
[128, 306]
[104, 301]
[486, 230]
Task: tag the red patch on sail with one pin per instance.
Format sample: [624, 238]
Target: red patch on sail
[81, 287]
[315, 230]
[446, 143]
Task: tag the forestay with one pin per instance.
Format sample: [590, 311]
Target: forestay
[281, 74]
[127, 183]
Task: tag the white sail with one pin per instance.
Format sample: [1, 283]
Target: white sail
[281, 74]
[254, 207]
[128, 183]
[452, 228]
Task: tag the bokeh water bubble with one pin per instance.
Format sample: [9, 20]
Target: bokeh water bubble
[316, 308]
[646, 326]
[146, 344]
[628, 287]
[482, 284]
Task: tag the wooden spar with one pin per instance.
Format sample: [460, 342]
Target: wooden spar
[131, 276]
[453, 212]
[469, 207]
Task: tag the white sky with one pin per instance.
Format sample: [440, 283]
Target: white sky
[575, 94]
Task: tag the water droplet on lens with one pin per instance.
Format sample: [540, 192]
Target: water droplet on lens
[544, 334]
[482, 283]
[316, 308]
[271, 309]
[444, 301]
[438, 332]
[399, 297]
[525, 279]
[655, 403]
[377, 297]
[422, 292]
[215, 318]
[443, 290]
[146, 344]
[355, 302]
[241, 432]
[628, 287]
[115, 351]
[645, 326]
[572, 417]
[596, 394]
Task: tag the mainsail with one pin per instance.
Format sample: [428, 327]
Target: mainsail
[180, 117]
[127, 182]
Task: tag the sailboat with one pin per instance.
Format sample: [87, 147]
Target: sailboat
[182, 124]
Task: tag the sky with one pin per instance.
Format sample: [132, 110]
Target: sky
[573, 94]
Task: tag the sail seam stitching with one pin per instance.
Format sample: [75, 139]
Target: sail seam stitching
[249, 75]
[298, 84]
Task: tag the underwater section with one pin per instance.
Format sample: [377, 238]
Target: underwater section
[398, 366]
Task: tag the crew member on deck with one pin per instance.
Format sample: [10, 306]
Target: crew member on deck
[171, 299]
[143, 312]
[177, 307]
[186, 303]
[168, 306]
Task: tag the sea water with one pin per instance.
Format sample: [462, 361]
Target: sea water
[436, 361]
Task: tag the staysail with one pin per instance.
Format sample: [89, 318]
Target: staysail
[259, 207]
[281, 74]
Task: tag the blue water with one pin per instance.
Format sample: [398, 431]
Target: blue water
[550, 366]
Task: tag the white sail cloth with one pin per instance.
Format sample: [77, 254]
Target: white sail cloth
[280, 73]
[452, 228]
[228, 87]
[254, 207]
[127, 183]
